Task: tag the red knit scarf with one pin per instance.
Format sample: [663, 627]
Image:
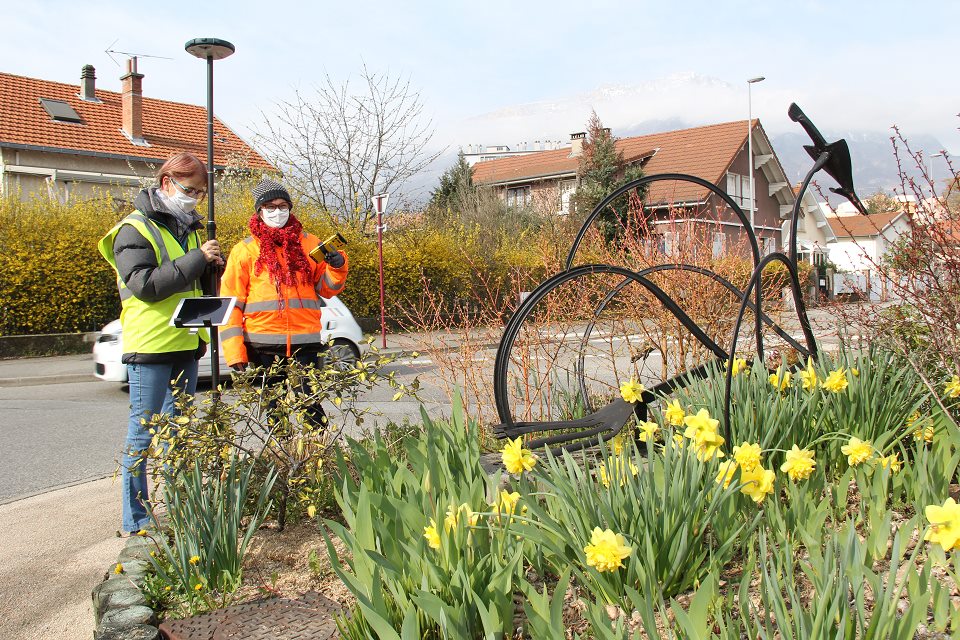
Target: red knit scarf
[274, 242]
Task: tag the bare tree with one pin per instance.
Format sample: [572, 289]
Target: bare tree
[339, 147]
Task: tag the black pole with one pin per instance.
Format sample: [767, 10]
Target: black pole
[214, 287]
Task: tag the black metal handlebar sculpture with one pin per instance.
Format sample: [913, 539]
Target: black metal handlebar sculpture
[606, 422]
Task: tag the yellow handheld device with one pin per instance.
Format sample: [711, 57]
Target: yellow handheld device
[328, 246]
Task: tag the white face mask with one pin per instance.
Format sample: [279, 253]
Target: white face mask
[275, 218]
[182, 200]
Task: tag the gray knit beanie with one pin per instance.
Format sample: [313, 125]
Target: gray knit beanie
[269, 190]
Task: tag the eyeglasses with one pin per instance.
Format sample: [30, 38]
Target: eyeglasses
[190, 191]
[274, 210]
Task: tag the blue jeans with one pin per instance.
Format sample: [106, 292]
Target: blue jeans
[151, 393]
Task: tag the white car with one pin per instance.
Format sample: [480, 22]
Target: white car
[338, 323]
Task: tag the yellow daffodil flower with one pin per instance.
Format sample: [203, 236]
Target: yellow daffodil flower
[311, 511]
[708, 446]
[857, 451]
[739, 366]
[836, 381]
[893, 461]
[780, 380]
[674, 413]
[453, 516]
[944, 524]
[855, 372]
[616, 444]
[809, 376]
[617, 467]
[758, 484]
[506, 504]
[747, 456]
[923, 433]
[798, 463]
[726, 472]
[631, 391]
[648, 431]
[606, 550]
[952, 390]
[516, 459]
[432, 535]
[198, 587]
[699, 424]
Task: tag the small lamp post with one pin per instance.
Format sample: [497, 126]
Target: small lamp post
[753, 195]
[211, 49]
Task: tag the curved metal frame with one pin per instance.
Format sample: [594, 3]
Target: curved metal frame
[833, 157]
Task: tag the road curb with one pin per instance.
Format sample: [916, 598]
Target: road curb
[27, 381]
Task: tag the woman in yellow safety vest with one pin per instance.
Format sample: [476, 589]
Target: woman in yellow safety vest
[159, 259]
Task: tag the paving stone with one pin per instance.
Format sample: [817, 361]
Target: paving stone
[127, 617]
[108, 587]
[136, 632]
[135, 554]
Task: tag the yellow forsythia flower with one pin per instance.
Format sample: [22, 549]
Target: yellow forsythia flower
[432, 535]
[311, 511]
[725, 473]
[516, 459]
[953, 388]
[893, 461]
[799, 463]
[648, 431]
[857, 451]
[758, 483]
[944, 524]
[836, 381]
[780, 380]
[747, 456]
[194, 560]
[739, 366]
[631, 391]
[675, 413]
[606, 550]
[809, 376]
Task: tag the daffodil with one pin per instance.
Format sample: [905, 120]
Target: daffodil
[857, 451]
[516, 459]
[432, 535]
[739, 366]
[616, 444]
[780, 380]
[855, 372]
[798, 463]
[699, 424]
[725, 472]
[952, 390]
[892, 461]
[453, 516]
[194, 560]
[944, 524]
[311, 511]
[631, 391]
[747, 456]
[809, 376]
[924, 434]
[606, 550]
[836, 381]
[506, 503]
[617, 467]
[758, 484]
[648, 431]
[674, 413]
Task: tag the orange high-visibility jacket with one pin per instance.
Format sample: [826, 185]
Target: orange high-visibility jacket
[261, 316]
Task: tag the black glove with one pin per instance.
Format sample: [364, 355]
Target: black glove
[335, 259]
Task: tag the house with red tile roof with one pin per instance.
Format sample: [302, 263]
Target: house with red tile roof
[862, 241]
[77, 140]
[545, 180]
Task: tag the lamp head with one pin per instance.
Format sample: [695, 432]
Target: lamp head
[209, 48]
[756, 80]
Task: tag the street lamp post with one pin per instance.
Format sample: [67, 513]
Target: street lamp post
[211, 49]
[933, 183]
[753, 195]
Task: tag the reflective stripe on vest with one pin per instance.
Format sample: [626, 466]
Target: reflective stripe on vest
[281, 338]
[146, 325]
[276, 305]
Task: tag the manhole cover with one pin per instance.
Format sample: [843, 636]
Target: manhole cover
[311, 616]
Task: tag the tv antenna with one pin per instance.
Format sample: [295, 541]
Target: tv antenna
[110, 51]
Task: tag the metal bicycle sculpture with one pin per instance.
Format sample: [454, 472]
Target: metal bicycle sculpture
[607, 421]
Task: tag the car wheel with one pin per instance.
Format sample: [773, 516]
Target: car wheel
[342, 354]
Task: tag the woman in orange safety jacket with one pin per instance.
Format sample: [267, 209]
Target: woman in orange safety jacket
[277, 286]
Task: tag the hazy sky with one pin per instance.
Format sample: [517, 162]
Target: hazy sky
[493, 71]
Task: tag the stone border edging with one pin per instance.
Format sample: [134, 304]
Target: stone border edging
[120, 610]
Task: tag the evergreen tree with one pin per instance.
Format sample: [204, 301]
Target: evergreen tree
[456, 186]
[602, 170]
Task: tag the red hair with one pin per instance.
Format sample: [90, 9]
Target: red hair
[180, 166]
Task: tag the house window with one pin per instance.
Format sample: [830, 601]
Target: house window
[719, 238]
[518, 196]
[738, 188]
[769, 246]
[566, 193]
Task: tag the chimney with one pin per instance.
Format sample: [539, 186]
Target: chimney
[576, 143]
[132, 100]
[88, 84]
